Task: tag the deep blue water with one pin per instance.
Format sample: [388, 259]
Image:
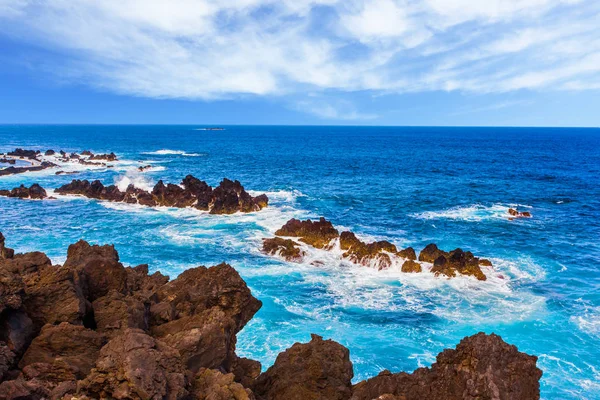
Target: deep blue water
[412, 186]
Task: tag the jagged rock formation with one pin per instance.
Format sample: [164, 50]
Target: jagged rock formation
[481, 367]
[95, 329]
[453, 263]
[35, 191]
[227, 198]
[321, 234]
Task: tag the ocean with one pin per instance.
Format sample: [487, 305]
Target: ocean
[411, 186]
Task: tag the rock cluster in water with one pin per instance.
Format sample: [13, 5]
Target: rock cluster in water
[518, 214]
[227, 198]
[95, 329]
[321, 234]
[35, 192]
[34, 157]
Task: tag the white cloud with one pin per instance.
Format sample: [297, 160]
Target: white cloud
[215, 49]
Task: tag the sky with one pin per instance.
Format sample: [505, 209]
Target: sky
[305, 62]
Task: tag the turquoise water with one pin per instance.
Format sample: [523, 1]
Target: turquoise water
[412, 186]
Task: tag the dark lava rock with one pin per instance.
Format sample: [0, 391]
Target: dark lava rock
[318, 234]
[228, 198]
[116, 312]
[50, 152]
[22, 153]
[286, 248]
[481, 367]
[319, 370]
[105, 157]
[8, 161]
[430, 253]
[35, 191]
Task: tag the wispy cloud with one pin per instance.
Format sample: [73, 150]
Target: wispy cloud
[207, 49]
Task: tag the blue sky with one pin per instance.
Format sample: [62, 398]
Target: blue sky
[377, 62]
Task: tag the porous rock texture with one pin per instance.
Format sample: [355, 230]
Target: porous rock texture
[95, 329]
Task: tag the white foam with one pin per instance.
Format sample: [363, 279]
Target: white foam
[136, 179]
[588, 321]
[165, 152]
[471, 213]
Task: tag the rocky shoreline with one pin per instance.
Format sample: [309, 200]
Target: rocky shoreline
[322, 234]
[95, 329]
[40, 161]
[227, 198]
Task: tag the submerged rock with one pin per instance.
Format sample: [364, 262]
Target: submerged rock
[519, 214]
[228, 198]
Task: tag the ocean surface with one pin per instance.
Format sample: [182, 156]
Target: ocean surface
[411, 186]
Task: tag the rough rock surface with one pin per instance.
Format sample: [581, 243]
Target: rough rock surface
[453, 263]
[285, 248]
[227, 198]
[136, 366]
[35, 191]
[318, 234]
[481, 367]
[94, 329]
[518, 214]
[359, 252]
[320, 369]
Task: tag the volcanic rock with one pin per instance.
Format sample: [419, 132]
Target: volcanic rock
[320, 369]
[106, 157]
[115, 312]
[518, 214]
[75, 346]
[21, 153]
[134, 365]
[285, 248]
[35, 191]
[481, 367]
[318, 234]
[411, 266]
[359, 252]
[210, 384]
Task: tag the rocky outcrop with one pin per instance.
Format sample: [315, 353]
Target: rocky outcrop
[227, 198]
[35, 191]
[318, 234]
[286, 248]
[22, 153]
[481, 367]
[19, 170]
[381, 254]
[319, 370]
[105, 157]
[95, 329]
[518, 214]
[453, 263]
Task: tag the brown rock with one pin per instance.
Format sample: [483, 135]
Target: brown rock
[458, 262]
[20, 389]
[12, 290]
[318, 234]
[286, 248]
[408, 253]
[376, 253]
[5, 252]
[97, 269]
[481, 367]
[7, 359]
[411, 266]
[430, 253]
[320, 369]
[230, 197]
[210, 384]
[16, 330]
[134, 365]
[245, 370]
[116, 312]
[52, 296]
[35, 191]
[76, 346]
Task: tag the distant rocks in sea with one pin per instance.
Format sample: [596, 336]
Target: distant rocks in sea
[227, 198]
[382, 254]
[35, 192]
[96, 329]
[50, 159]
[518, 214]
